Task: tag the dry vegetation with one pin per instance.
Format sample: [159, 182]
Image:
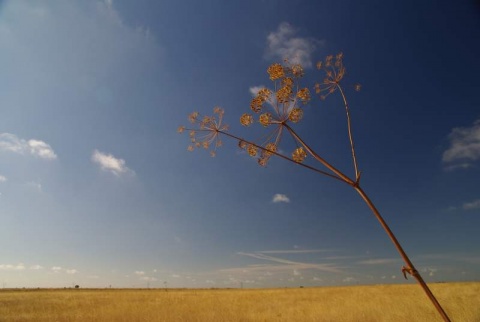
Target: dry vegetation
[357, 303]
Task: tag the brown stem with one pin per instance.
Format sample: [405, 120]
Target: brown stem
[319, 158]
[350, 136]
[287, 158]
[409, 266]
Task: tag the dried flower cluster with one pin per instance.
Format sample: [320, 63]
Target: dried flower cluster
[275, 109]
[279, 106]
[334, 72]
[208, 130]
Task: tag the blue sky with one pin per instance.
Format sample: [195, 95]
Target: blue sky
[98, 189]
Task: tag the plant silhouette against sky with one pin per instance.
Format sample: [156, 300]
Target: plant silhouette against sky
[278, 110]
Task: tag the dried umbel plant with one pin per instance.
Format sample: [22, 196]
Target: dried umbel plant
[278, 110]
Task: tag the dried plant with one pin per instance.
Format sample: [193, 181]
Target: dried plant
[277, 110]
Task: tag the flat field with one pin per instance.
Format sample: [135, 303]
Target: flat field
[355, 303]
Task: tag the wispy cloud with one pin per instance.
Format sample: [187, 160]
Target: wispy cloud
[471, 205]
[71, 271]
[295, 251]
[10, 267]
[283, 43]
[12, 143]
[139, 273]
[464, 147]
[3, 178]
[36, 267]
[56, 269]
[282, 264]
[108, 162]
[379, 261]
[280, 198]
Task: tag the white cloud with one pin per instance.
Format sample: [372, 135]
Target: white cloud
[9, 267]
[12, 143]
[148, 279]
[56, 269]
[139, 273]
[175, 276]
[36, 267]
[471, 205]
[349, 279]
[283, 44]
[3, 178]
[379, 261]
[280, 198]
[464, 147]
[71, 271]
[110, 163]
[296, 272]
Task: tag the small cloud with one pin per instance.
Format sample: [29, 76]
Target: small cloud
[93, 277]
[317, 279]
[41, 149]
[148, 279]
[56, 269]
[34, 185]
[108, 162]
[394, 277]
[36, 267]
[283, 44]
[464, 147]
[296, 273]
[471, 205]
[3, 178]
[280, 198]
[139, 273]
[71, 271]
[175, 275]
[349, 279]
[12, 143]
[9, 267]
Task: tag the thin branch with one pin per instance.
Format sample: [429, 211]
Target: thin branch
[319, 158]
[287, 158]
[350, 135]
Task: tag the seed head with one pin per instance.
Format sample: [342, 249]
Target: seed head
[264, 94]
[181, 129]
[284, 94]
[246, 119]
[265, 119]
[193, 117]
[252, 150]
[276, 71]
[242, 144]
[304, 95]
[299, 155]
[297, 70]
[287, 81]
[256, 104]
[295, 115]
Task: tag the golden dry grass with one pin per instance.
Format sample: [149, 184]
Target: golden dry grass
[357, 303]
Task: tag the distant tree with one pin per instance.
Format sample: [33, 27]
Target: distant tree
[77, 286]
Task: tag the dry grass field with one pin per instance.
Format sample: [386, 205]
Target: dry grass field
[356, 303]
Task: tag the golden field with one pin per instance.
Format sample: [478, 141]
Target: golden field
[354, 303]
